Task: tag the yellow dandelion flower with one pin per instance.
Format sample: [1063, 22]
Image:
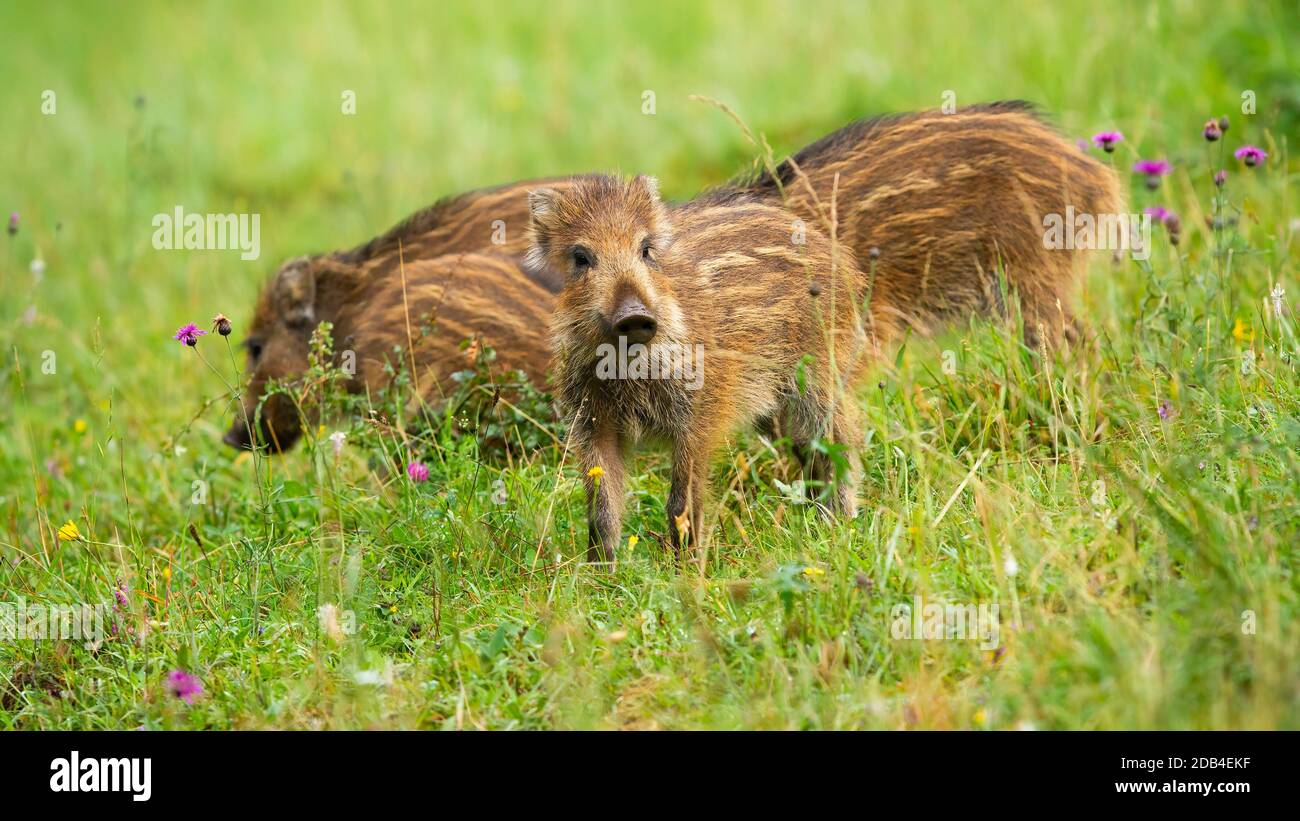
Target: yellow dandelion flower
[167, 573]
[79, 426]
[596, 472]
[69, 532]
[980, 717]
[1242, 332]
[813, 572]
[631, 542]
[392, 609]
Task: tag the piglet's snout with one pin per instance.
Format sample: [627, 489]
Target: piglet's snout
[633, 320]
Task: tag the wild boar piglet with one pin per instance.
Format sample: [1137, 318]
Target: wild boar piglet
[682, 327]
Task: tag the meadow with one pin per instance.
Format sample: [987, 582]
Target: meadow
[1130, 506]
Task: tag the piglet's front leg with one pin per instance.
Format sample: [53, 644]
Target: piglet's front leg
[604, 481]
[686, 499]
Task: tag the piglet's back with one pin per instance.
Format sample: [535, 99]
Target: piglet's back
[484, 297]
[760, 275]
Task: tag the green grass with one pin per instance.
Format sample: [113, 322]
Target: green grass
[1137, 543]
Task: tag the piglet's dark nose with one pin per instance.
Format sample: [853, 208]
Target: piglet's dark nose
[236, 437]
[635, 321]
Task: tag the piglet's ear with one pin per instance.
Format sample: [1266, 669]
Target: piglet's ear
[295, 290]
[541, 204]
[661, 224]
[651, 185]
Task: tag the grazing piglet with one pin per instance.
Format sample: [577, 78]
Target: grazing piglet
[487, 219]
[469, 245]
[766, 308]
[948, 199]
[481, 296]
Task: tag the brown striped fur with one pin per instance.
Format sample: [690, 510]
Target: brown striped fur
[947, 199]
[493, 219]
[744, 282]
[454, 269]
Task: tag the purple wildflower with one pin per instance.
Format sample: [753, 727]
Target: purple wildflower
[189, 334]
[184, 686]
[1220, 177]
[1165, 410]
[1151, 167]
[1212, 132]
[1166, 218]
[13, 223]
[1173, 226]
[1153, 170]
[418, 471]
[1250, 155]
[1107, 140]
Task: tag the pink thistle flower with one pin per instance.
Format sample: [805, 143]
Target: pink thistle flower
[418, 471]
[1153, 170]
[13, 223]
[1212, 132]
[1107, 140]
[1250, 155]
[119, 596]
[1173, 226]
[1220, 177]
[184, 686]
[1166, 218]
[189, 334]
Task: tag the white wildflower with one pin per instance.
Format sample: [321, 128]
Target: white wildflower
[337, 439]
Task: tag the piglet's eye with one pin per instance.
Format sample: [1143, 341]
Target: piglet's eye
[647, 251]
[582, 258]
